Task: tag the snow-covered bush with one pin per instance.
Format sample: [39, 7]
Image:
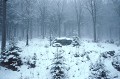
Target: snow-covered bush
[11, 58]
[108, 54]
[116, 62]
[85, 55]
[98, 71]
[31, 62]
[110, 41]
[77, 53]
[75, 41]
[58, 68]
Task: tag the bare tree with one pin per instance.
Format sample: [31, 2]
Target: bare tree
[28, 21]
[79, 15]
[0, 15]
[60, 16]
[117, 9]
[92, 8]
[43, 6]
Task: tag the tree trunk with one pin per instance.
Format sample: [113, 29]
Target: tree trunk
[27, 34]
[59, 29]
[43, 29]
[3, 45]
[31, 29]
[119, 35]
[110, 33]
[79, 35]
[94, 26]
[65, 30]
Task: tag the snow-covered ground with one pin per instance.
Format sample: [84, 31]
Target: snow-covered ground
[78, 67]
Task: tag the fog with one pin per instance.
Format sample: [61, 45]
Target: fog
[88, 19]
[60, 39]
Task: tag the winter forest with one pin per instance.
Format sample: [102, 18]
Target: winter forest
[60, 39]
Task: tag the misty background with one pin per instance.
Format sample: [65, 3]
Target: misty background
[92, 19]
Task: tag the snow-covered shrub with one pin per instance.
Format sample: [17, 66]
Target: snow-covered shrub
[11, 58]
[111, 53]
[75, 41]
[85, 55]
[108, 54]
[31, 62]
[77, 54]
[100, 45]
[111, 41]
[116, 62]
[98, 71]
[58, 68]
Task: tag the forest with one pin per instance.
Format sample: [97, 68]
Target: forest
[67, 39]
[29, 19]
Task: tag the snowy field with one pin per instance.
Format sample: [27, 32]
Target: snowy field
[76, 67]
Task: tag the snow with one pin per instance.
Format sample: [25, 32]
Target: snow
[78, 67]
[61, 38]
